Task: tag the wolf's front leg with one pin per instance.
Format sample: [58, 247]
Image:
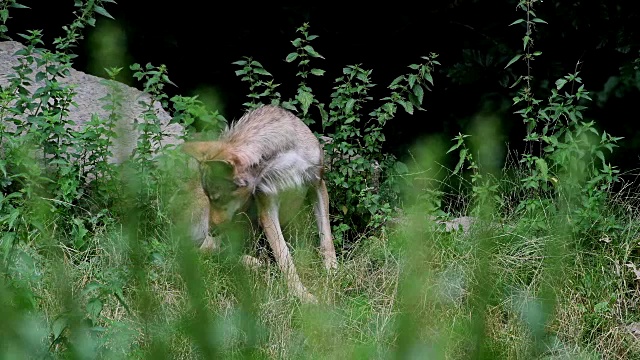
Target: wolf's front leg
[321, 209]
[268, 213]
[199, 221]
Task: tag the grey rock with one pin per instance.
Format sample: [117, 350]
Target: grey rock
[88, 90]
[463, 223]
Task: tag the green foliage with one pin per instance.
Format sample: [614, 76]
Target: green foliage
[251, 72]
[362, 179]
[41, 119]
[4, 15]
[304, 99]
[483, 189]
[189, 111]
[154, 79]
[565, 160]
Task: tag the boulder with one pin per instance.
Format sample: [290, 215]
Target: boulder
[89, 89]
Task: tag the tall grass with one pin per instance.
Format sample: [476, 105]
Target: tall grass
[500, 291]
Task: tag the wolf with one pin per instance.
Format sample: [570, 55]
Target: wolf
[267, 154]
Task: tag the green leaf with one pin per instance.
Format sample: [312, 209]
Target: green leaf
[396, 80]
[261, 71]
[428, 77]
[94, 307]
[317, 72]
[408, 107]
[454, 146]
[100, 10]
[463, 156]
[323, 114]
[120, 296]
[296, 42]
[412, 80]
[291, 57]
[309, 49]
[418, 91]
[515, 82]
[348, 107]
[389, 108]
[19, 6]
[517, 22]
[305, 99]
[560, 83]
[401, 168]
[537, 20]
[414, 100]
[514, 59]
[541, 165]
[240, 62]
[526, 40]
[58, 326]
[8, 238]
[601, 307]
[287, 105]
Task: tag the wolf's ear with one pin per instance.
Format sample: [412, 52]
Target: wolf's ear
[201, 150]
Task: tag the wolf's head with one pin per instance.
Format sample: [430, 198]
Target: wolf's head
[223, 178]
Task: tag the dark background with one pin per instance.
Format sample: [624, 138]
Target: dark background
[198, 41]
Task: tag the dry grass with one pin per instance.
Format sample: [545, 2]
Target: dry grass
[409, 291]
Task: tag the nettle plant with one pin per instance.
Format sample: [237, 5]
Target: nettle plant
[483, 187]
[4, 15]
[41, 157]
[362, 179]
[191, 112]
[564, 161]
[566, 151]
